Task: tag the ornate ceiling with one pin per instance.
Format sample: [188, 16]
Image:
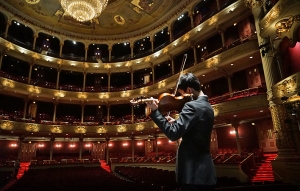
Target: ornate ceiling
[119, 17]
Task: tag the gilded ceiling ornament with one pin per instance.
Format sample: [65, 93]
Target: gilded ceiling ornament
[80, 129]
[119, 19]
[6, 125]
[56, 129]
[32, 2]
[121, 128]
[32, 127]
[83, 10]
[101, 129]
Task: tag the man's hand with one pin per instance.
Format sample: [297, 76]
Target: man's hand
[170, 119]
[153, 104]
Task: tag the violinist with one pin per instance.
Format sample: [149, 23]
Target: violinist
[194, 166]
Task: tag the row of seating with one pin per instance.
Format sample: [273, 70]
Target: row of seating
[75, 179]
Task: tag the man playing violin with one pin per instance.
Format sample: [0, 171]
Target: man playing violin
[194, 166]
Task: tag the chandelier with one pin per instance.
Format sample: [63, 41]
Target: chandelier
[83, 10]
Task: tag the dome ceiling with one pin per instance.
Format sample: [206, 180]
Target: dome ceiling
[119, 17]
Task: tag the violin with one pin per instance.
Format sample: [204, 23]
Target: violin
[167, 102]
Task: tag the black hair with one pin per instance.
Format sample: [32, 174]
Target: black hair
[189, 80]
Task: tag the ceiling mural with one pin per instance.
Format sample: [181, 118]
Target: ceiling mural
[119, 17]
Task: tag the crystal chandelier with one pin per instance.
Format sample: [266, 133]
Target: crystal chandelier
[83, 10]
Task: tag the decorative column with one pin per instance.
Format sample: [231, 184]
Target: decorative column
[80, 147]
[218, 5]
[52, 139]
[108, 81]
[195, 54]
[107, 150]
[84, 80]
[109, 51]
[132, 148]
[30, 71]
[191, 15]
[283, 131]
[131, 73]
[131, 49]
[2, 53]
[152, 69]
[229, 85]
[152, 43]
[6, 29]
[54, 112]
[35, 36]
[235, 125]
[57, 78]
[108, 112]
[20, 147]
[170, 33]
[132, 114]
[25, 107]
[85, 53]
[172, 64]
[82, 112]
[221, 32]
[60, 49]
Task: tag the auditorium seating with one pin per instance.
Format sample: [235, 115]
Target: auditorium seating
[75, 179]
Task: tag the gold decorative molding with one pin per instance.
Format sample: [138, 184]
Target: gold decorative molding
[59, 93]
[283, 132]
[80, 129]
[186, 37]
[285, 25]
[6, 125]
[56, 129]
[101, 129]
[147, 59]
[8, 83]
[32, 127]
[161, 84]
[104, 95]
[139, 127]
[34, 89]
[82, 95]
[253, 3]
[213, 20]
[286, 86]
[125, 94]
[271, 16]
[121, 128]
[216, 110]
[214, 61]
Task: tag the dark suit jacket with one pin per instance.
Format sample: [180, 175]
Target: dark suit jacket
[194, 164]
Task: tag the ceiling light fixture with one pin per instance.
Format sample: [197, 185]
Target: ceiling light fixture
[83, 10]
